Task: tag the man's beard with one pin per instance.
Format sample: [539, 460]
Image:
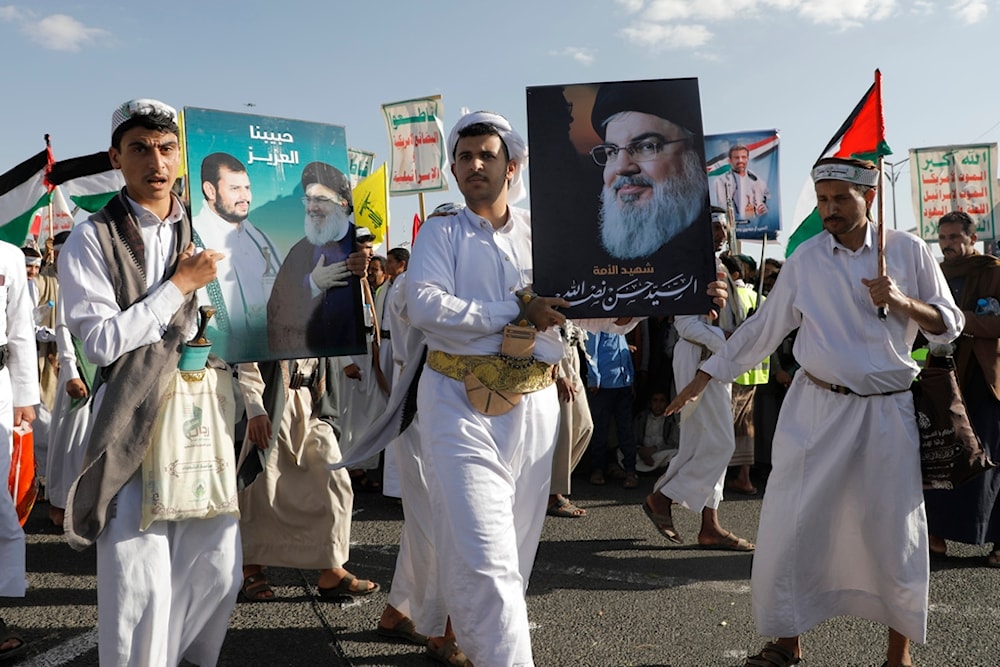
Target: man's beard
[333, 228]
[630, 230]
[229, 214]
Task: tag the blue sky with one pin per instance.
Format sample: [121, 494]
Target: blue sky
[796, 65]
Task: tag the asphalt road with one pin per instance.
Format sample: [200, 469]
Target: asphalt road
[607, 591]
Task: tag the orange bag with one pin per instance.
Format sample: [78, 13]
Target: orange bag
[21, 482]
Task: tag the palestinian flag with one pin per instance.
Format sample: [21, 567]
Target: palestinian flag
[23, 190]
[88, 181]
[862, 136]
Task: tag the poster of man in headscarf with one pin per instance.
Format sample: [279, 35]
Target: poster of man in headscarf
[273, 196]
[621, 223]
[743, 179]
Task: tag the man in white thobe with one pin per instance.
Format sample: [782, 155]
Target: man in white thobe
[247, 273]
[18, 378]
[842, 528]
[129, 279]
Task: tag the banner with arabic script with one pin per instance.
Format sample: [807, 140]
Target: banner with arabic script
[954, 178]
[272, 195]
[417, 154]
[361, 165]
[619, 197]
[743, 179]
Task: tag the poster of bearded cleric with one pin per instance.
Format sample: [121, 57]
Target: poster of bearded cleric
[273, 196]
[743, 179]
[620, 215]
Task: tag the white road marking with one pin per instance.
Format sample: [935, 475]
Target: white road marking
[66, 652]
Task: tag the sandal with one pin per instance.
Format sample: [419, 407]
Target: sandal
[631, 480]
[405, 630]
[448, 654]
[256, 588]
[344, 588]
[729, 543]
[564, 508]
[664, 524]
[772, 655]
[6, 635]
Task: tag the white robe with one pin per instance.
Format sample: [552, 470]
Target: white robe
[842, 527]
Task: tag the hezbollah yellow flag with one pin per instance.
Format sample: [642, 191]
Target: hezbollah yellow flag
[371, 205]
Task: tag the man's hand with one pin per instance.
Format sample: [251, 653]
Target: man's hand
[24, 414]
[565, 390]
[689, 393]
[761, 209]
[357, 263]
[884, 292]
[194, 271]
[783, 378]
[543, 314]
[646, 455]
[717, 290]
[353, 371]
[325, 277]
[76, 388]
[259, 431]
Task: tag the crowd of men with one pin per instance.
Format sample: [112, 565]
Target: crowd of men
[480, 381]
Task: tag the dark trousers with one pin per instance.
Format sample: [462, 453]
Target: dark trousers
[605, 405]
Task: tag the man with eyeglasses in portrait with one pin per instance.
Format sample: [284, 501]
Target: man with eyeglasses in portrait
[313, 306]
[655, 185]
[247, 273]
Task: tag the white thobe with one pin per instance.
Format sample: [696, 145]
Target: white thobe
[842, 527]
[18, 378]
[245, 276]
[67, 437]
[487, 477]
[165, 593]
[387, 293]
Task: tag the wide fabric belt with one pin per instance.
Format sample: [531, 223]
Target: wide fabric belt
[520, 376]
[841, 389]
[385, 334]
[297, 380]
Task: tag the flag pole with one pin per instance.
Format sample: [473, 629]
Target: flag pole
[880, 226]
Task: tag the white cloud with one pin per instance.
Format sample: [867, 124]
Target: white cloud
[846, 13]
[581, 55]
[659, 37]
[630, 6]
[970, 11]
[60, 32]
[10, 13]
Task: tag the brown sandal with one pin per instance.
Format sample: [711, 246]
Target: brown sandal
[772, 655]
[448, 654]
[256, 588]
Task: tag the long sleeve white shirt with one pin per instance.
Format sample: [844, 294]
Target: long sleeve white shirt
[18, 332]
[93, 314]
[840, 339]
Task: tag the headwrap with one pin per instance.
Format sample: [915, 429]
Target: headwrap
[59, 239]
[851, 173]
[140, 107]
[330, 177]
[674, 100]
[517, 148]
[31, 256]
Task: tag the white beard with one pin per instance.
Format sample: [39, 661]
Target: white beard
[630, 230]
[333, 228]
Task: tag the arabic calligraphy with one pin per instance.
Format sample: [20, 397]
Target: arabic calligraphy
[421, 116]
[955, 178]
[635, 291]
[614, 270]
[413, 177]
[274, 141]
[366, 211]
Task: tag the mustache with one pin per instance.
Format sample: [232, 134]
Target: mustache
[834, 218]
[631, 179]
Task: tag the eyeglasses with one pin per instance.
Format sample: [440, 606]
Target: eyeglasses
[638, 151]
[322, 200]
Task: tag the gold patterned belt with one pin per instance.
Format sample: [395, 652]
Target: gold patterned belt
[519, 376]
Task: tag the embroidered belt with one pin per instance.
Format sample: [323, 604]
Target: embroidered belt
[846, 391]
[520, 376]
[298, 380]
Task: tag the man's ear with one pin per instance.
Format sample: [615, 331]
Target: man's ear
[511, 169]
[115, 157]
[209, 191]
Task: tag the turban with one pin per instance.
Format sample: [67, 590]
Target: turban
[59, 239]
[674, 100]
[141, 107]
[329, 177]
[846, 171]
[517, 149]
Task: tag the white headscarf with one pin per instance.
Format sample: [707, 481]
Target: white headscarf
[517, 148]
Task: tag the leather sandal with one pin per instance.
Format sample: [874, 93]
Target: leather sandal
[772, 655]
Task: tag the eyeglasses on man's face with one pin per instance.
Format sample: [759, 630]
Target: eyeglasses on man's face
[638, 151]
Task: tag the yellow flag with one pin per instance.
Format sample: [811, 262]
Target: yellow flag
[371, 205]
